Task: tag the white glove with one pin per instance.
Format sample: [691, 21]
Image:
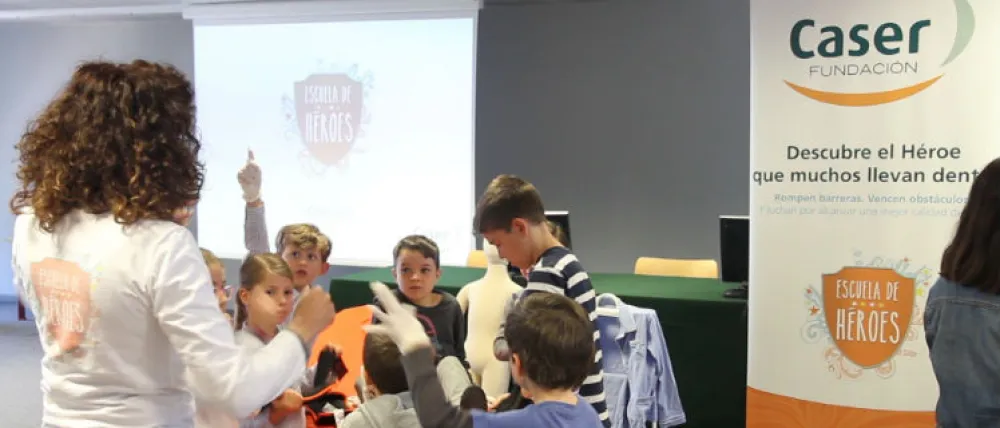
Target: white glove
[398, 322]
[249, 178]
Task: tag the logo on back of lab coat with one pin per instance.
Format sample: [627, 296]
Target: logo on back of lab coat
[63, 292]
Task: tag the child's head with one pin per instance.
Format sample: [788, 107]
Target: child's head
[416, 266]
[266, 292]
[557, 231]
[306, 251]
[969, 259]
[474, 398]
[551, 342]
[384, 371]
[511, 216]
[218, 273]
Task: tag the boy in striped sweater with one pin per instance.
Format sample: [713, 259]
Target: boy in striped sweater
[511, 216]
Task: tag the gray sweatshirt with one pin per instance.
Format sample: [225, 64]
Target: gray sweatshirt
[385, 411]
[397, 411]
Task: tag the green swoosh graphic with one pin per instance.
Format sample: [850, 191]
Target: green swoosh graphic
[964, 28]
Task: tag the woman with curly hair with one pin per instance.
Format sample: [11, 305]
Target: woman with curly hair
[122, 298]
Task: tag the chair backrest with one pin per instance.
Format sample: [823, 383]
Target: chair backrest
[477, 259]
[345, 331]
[702, 268]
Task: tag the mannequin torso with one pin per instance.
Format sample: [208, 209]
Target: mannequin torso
[484, 301]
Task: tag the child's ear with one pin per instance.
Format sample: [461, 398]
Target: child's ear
[515, 365]
[438, 275]
[244, 295]
[393, 270]
[370, 386]
[325, 269]
[519, 226]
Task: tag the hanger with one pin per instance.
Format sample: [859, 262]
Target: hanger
[608, 311]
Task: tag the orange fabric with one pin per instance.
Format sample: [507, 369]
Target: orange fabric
[311, 419]
[345, 331]
[288, 403]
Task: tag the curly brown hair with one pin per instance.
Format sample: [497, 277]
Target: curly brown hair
[119, 138]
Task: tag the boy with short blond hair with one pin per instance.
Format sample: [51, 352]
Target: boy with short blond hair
[511, 216]
[306, 251]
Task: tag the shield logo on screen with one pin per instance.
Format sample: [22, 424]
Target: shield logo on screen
[868, 312]
[328, 108]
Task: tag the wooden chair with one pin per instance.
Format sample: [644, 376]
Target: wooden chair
[700, 268]
[477, 259]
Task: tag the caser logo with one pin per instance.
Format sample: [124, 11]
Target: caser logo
[882, 41]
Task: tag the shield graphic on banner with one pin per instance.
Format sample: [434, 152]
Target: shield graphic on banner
[328, 109]
[868, 312]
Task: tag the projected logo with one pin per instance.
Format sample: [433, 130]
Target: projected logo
[328, 113]
[886, 50]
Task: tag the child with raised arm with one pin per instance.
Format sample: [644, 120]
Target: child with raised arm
[301, 245]
[511, 216]
[552, 349]
[388, 401]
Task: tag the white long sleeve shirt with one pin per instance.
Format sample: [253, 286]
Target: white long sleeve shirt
[255, 230]
[252, 343]
[129, 326]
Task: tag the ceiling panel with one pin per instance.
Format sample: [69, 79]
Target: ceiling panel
[11, 5]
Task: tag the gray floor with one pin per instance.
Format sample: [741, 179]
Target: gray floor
[20, 353]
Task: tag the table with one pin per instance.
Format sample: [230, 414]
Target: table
[706, 333]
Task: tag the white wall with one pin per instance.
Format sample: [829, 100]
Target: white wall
[36, 59]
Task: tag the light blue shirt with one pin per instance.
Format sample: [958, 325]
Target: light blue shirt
[548, 414]
[638, 377]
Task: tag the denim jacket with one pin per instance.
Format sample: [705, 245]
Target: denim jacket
[638, 376]
[962, 325]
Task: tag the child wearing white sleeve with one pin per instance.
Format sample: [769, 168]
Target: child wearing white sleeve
[265, 299]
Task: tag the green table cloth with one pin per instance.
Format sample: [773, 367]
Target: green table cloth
[706, 333]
